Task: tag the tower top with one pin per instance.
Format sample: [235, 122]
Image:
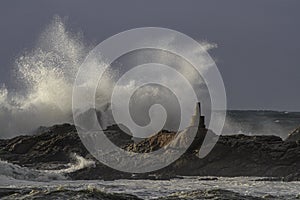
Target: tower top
[199, 108]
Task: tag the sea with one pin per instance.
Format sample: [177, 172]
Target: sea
[261, 122]
[151, 189]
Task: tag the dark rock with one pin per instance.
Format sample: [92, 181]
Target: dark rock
[236, 155]
[210, 194]
[54, 145]
[208, 179]
[242, 155]
[21, 145]
[294, 135]
[4, 192]
[118, 134]
[60, 193]
[292, 177]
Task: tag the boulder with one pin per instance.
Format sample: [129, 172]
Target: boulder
[294, 135]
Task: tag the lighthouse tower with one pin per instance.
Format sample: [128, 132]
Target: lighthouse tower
[198, 121]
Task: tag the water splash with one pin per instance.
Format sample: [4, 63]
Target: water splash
[44, 77]
[80, 163]
[13, 171]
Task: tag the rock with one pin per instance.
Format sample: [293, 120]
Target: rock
[294, 135]
[5, 192]
[151, 144]
[235, 155]
[22, 145]
[292, 177]
[61, 193]
[55, 144]
[241, 155]
[209, 194]
[118, 136]
[208, 179]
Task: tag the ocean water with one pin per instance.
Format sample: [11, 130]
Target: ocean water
[24, 179]
[261, 122]
[149, 189]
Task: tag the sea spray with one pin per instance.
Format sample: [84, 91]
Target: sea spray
[13, 171]
[80, 163]
[44, 77]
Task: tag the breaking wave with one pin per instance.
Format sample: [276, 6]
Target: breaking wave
[44, 77]
[9, 170]
[80, 163]
[13, 171]
[44, 80]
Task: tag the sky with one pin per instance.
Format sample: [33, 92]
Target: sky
[258, 41]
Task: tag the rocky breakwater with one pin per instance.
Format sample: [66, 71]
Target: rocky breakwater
[53, 148]
[234, 155]
[293, 139]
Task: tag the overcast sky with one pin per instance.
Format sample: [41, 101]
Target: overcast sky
[258, 41]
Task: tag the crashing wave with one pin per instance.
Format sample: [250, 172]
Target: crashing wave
[80, 163]
[14, 171]
[44, 78]
[9, 170]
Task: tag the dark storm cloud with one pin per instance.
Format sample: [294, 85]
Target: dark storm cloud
[258, 41]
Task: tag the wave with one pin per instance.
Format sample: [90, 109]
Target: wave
[14, 171]
[80, 163]
[44, 79]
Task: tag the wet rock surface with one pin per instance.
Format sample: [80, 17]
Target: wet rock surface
[219, 194]
[93, 193]
[292, 177]
[60, 193]
[294, 135]
[209, 194]
[54, 145]
[236, 155]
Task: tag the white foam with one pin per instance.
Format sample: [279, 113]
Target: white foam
[80, 163]
[10, 171]
[44, 77]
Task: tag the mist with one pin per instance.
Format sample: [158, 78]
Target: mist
[44, 79]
